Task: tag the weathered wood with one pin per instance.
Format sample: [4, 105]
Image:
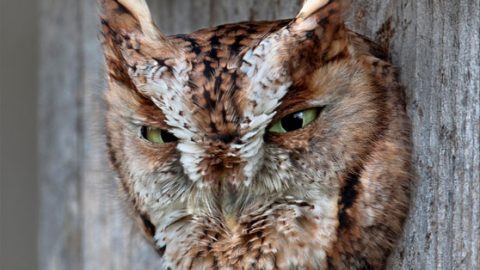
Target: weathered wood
[61, 136]
[436, 44]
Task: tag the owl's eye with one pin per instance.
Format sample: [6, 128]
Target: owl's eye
[295, 121]
[157, 136]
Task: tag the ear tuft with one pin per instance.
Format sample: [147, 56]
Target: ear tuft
[139, 9]
[131, 38]
[310, 7]
[319, 13]
[323, 19]
[130, 16]
[118, 17]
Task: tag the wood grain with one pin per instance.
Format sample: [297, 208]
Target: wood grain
[436, 44]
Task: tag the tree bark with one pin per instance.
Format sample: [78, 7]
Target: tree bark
[435, 44]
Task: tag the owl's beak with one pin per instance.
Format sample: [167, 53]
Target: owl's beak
[229, 200]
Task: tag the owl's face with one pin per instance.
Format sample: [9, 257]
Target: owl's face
[258, 145]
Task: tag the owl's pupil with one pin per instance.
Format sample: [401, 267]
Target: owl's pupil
[144, 131]
[293, 121]
[168, 137]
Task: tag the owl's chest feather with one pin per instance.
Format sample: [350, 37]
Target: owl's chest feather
[282, 235]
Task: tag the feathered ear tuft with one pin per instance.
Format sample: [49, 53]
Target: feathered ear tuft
[139, 9]
[324, 18]
[310, 7]
[130, 37]
[131, 16]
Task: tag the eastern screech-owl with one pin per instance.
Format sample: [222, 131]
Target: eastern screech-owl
[258, 145]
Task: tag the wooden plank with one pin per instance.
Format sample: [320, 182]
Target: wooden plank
[439, 59]
[436, 44]
[60, 136]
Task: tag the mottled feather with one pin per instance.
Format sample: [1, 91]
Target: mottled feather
[227, 193]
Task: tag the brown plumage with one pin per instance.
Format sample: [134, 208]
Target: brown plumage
[258, 145]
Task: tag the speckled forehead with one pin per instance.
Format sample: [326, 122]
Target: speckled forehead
[215, 76]
[218, 50]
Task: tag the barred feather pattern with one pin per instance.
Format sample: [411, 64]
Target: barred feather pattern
[230, 194]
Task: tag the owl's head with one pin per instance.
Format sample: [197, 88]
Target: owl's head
[268, 145]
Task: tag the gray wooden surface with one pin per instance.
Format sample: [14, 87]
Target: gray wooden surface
[435, 43]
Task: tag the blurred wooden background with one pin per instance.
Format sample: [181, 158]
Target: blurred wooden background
[436, 44]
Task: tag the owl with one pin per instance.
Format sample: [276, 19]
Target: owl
[257, 145]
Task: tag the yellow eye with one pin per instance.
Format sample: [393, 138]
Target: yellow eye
[157, 136]
[295, 121]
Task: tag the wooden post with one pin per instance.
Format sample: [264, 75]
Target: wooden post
[436, 45]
